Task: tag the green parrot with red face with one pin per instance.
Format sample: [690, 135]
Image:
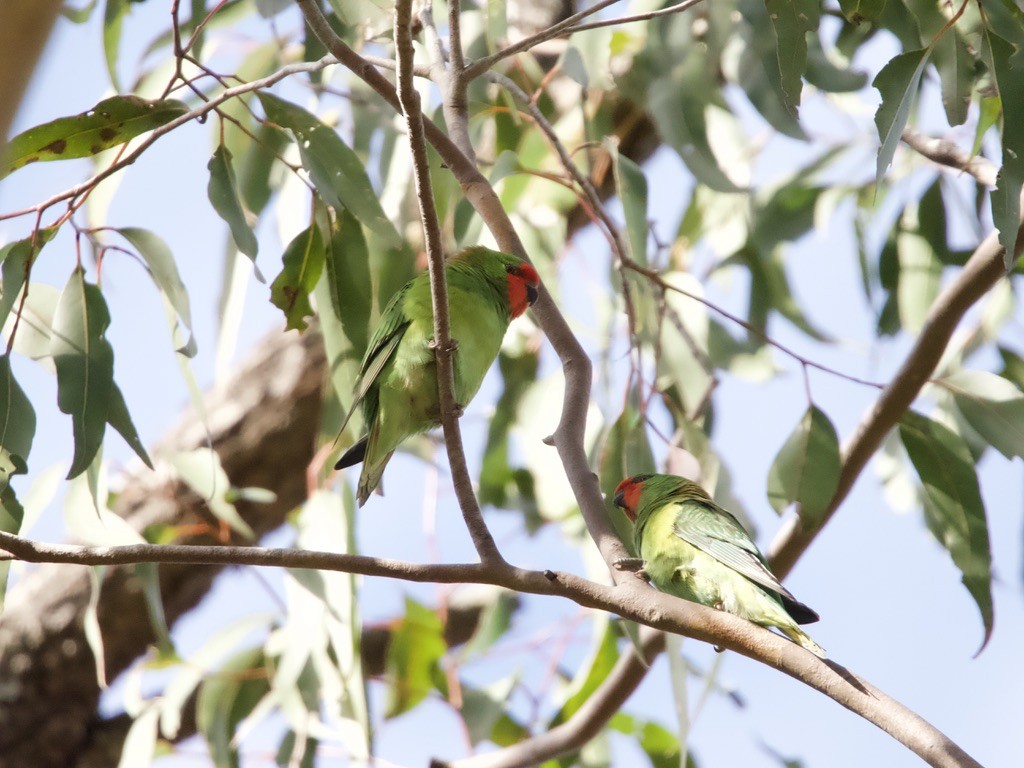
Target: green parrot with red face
[397, 383]
[692, 548]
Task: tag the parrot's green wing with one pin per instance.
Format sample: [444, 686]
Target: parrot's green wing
[714, 531]
[381, 348]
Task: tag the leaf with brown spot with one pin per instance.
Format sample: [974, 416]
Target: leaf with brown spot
[112, 122]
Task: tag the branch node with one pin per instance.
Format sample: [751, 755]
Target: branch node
[550, 575]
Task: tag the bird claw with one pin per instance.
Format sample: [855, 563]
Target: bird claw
[452, 347]
[632, 564]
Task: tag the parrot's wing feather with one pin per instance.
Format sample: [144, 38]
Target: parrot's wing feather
[381, 348]
[714, 531]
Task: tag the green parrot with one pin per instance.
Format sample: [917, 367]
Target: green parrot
[692, 548]
[397, 384]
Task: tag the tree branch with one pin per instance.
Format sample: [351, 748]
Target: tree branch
[444, 347]
[950, 155]
[980, 273]
[585, 723]
[568, 436]
[633, 600]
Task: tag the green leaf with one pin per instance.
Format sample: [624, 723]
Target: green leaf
[222, 190]
[920, 271]
[335, 169]
[758, 70]
[414, 656]
[859, 11]
[201, 469]
[493, 623]
[163, 269]
[953, 507]
[226, 698]
[91, 624]
[483, 707]
[1009, 182]
[678, 101]
[989, 110]
[631, 186]
[1013, 366]
[85, 365]
[592, 672]
[898, 82]
[113, 19]
[17, 258]
[792, 20]
[348, 278]
[806, 469]
[17, 424]
[149, 576]
[110, 123]
[993, 407]
[303, 262]
[626, 452]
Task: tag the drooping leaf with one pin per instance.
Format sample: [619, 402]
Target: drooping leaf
[201, 469]
[953, 507]
[163, 269]
[335, 169]
[17, 424]
[110, 123]
[85, 365]
[626, 452]
[348, 278]
[91, 624]
[482, 708]
[1010, 181]
[17, 258]
[791, 21]
[806, 469]
[592, 672]
[920, 271]
[113, 19]
[631, 186]
[140, 742]
[898, 82]
[414, 656]
[993, 407]
[222, 190]
[226, 698]
[303, 262]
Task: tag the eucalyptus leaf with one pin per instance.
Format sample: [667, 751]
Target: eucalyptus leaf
[163, 269]
[110, 123]
[414, 656]
[222, 190]
[954, 511]
[85, 365]
[1006, 196]
[303, 262]
[17, 424]
[993, 407]
[806, 469]
[898, 82]
[791, 21]
[335, 169]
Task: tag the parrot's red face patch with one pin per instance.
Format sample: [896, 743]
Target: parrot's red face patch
[522, 287]
[627, 495]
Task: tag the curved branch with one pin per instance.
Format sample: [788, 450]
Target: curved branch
[585, 723]
[980, 273]
[632, 599]
[444, 347]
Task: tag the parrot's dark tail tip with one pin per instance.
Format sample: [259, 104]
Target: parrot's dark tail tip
[801, 613]
[353, 455]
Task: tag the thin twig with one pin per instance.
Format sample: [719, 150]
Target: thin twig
[444, 347]
[156, 134]
[951, 155]
[677, 8]
[476, 68]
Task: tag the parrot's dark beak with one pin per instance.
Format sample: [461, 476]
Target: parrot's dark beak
[531, 294]
[620, 500]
